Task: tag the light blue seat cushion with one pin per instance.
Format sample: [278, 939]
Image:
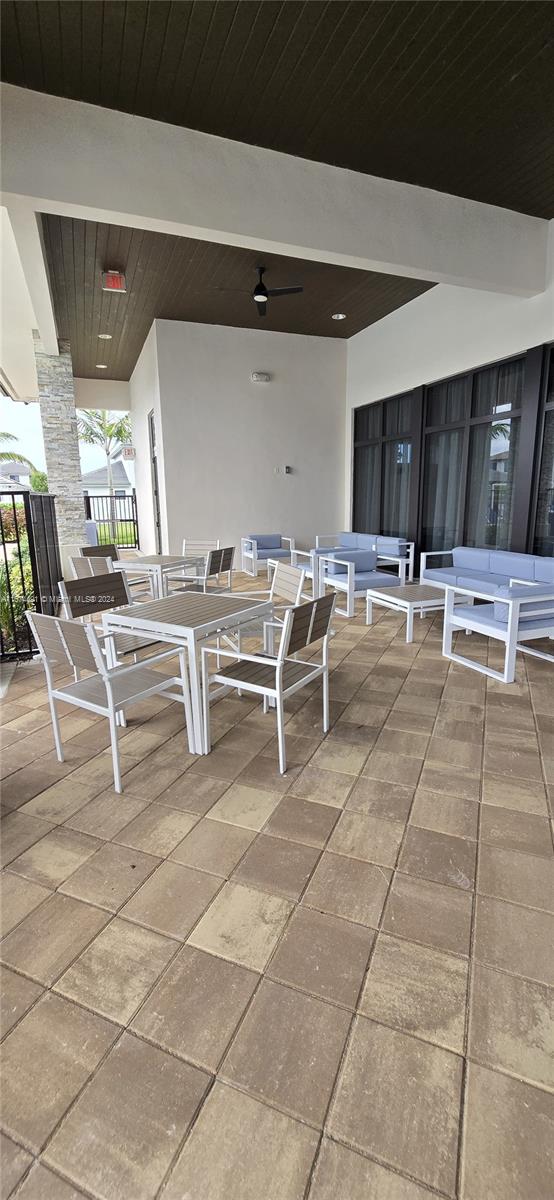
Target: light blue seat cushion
[364, 560]
[374, 579]
[266, 541]
[348, 540]
[485, 615]
[281, 553]
[483, 581]
[441, 574]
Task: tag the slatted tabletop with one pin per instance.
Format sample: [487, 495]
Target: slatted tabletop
[160, 560]
[185, 610]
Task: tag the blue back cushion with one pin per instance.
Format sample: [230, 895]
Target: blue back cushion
[467, 556]
[388, 545]
[544, 569]
[364, 559]
[518, 566]
[267, 541]
[348, 540]
[522, 592]
[366, 541]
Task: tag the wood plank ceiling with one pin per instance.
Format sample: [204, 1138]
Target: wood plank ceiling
[451, 95]
[183, 279]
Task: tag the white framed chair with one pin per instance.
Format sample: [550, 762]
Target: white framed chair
[218, 562]
[104, 690]
[142, 584]
[517, 614]
[275, 678]
[192, 548]
[287, 584]
[353, 572]
[85, 565]
[256, 548]
[308, 562]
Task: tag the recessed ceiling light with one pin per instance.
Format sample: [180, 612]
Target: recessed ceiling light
[339, 317]
[101, 366]
[106, 337]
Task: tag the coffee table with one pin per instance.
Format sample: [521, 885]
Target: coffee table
[412, 598]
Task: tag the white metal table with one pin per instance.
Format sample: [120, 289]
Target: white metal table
[158, 567]
[187, 619]
[412, 598]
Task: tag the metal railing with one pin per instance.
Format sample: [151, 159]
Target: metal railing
[29, 566]
[116, 519]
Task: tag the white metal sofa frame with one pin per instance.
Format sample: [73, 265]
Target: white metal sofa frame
[512, 632]
[107, 691]
[327, 541]
[346, 582]
[276, 678]
[310, 566]
[249, 563]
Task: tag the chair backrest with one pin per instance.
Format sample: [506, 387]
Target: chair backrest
[83, 650]
[96, 594]
[305, 624]
[107, 551]
[85, 565]
[213, 563]
[46, 633]
[227, 556]
[287, 582]
[190, 546]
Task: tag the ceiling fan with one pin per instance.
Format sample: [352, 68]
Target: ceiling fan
[261, 293]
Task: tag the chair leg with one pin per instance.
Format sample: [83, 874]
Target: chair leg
[281, 734]
[115, 751]
[206, 732]
[325, 701]
[186, 693]
[56, 728]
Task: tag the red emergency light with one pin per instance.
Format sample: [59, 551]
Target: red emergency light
[113, 281]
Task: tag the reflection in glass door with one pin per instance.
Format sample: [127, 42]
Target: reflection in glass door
[367, 488]
[490, 488]
[397, 460]
[544, 527]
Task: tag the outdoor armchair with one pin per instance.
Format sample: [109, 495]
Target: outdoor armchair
[516, 614]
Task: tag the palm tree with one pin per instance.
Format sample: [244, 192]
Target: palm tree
[12, 455]
[98, 427]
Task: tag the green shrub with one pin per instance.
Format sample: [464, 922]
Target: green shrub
[20, 577]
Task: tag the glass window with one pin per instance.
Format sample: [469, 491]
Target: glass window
[448, 402]
[442, 488]
[367, 423]
[490, 484]
[367, 489]
[398, 415]
[498, 389]
[397, 460]
[544, 527]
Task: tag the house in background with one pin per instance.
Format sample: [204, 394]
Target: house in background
[95, 483]
[16, 473]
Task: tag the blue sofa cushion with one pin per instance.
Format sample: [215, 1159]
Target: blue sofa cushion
[441, 574]
[374, 579]
[517, 566]
[267, 541]
[522, 592]
[468, 558]
[390, 545]
[282, 553]
[364, 560]
[366, 541]
[482, 581]
[544, 570]
[348, 540]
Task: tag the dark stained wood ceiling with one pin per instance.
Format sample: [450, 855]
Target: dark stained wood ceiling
[455, 96]
[180, 279]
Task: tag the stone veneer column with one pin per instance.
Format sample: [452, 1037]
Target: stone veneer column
[61, 442]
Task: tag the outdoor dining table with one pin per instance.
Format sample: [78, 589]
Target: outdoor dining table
[158, 567]
[187, 619]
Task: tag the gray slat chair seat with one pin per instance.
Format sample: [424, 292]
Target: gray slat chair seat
[264, 676]
[97, 594]
[93, 689]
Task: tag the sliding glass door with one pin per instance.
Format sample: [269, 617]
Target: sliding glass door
[442, 489]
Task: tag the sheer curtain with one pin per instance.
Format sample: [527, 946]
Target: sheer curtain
[397, 459]
[490, 487]
[442, 489]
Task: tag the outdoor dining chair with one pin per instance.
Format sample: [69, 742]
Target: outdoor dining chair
[193, 548]
[85, 565]
[140, 584]
[287, 585]
[275, 678]
[218, 562]
[84, 599]
[104, 690]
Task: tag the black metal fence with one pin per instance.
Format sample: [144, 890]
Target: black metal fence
[116, 519]
[29, 567]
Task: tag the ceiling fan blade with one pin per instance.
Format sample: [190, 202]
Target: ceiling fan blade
[288, 291]
[261, 306]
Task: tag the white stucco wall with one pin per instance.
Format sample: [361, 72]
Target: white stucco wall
[144, 396]
[112, 394]
[221, 437]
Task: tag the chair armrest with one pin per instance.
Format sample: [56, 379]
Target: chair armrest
[301, 554]
[290, 541]
[265, 659]
[429, 554]
[524, 582]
